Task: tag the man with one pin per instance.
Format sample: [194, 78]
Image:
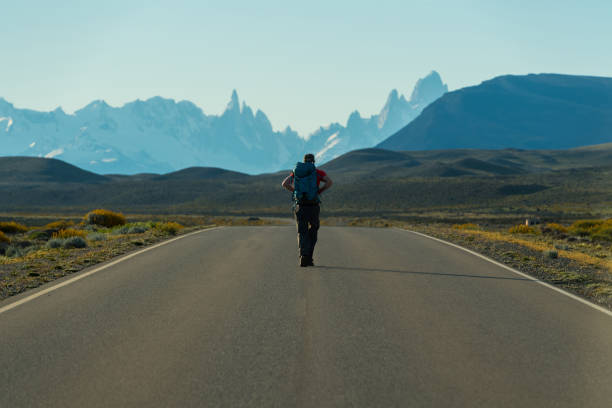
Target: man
[307, 204]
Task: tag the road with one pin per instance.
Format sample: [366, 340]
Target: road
[225, 317]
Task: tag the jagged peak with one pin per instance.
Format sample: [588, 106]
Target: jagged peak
[246, 110]
[428, 88]
[234, 103]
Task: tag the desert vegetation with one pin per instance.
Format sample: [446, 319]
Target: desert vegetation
[33, 254]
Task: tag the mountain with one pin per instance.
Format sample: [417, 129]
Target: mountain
[366, 182]
[157, 135]
[544, 111]
[160, 135]
[359, 133]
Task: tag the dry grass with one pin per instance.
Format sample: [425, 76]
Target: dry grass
[522, 229]
[543, 247]
[168, 227]
[467, 226]
[59, 225]
[11, 227]
[70, 232]
[104, 218]
[4, 238]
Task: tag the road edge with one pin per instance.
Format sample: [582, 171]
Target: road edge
[509, 268]
[85, 273]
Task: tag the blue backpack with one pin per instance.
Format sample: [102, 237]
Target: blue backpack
[305, 183]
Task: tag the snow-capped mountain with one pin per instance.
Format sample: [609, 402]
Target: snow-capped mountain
[161, 135]
[359, 132]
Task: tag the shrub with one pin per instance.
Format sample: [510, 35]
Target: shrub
[584, 227]
[74, 242]
[600, 230]
[39, 235]
[553, 226]
[468, 226]
[55, 243]
[104, 218]
[58, 225]
[4, 238]
[136, 228]
[96, 236]
[551, 254]
[169, 227]
[13, 252]
[11, 227]
[70, 232]
[522, 229]
[603, 233]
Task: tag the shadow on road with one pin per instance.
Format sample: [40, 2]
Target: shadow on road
[457, 275]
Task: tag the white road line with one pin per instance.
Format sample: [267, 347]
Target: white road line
[548, 285]
[98, 269]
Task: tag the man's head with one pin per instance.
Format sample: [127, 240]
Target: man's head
[309, 158]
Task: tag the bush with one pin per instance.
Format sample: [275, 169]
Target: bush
[551, 254]
[584, 227]
[70, 232]
[600, 230]
[468, 226]
[105, 218]
[13, 252]
[96, 236]
[136, 228]
[59, 225]
[39, 235]
[55, 243]
[522, 229]
[603, 233]
[74, 242]
[553, 226]
[11, 227]
[170, 228]
[4, 238]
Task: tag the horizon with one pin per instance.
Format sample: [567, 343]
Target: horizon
[305, 66]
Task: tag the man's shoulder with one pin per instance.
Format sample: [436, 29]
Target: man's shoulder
[321, 173]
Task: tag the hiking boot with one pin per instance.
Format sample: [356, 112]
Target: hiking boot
[310, 261]
[304, 261]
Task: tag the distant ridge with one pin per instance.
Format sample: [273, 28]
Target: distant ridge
[160, 135]
[41, 170]
[544, 111]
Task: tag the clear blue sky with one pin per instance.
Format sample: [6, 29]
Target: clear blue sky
[304, 63]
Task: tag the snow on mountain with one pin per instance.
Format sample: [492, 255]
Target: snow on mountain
[397, 112]
[159, 135]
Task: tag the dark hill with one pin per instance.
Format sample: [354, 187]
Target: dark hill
[201, 173]
[40, 170]
[544, 111]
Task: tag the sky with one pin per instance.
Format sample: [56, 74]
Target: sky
[304, 63]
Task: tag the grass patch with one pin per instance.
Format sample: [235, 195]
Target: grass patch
[467, 226]
[68, 233]
[104, 218]
[11, 227]
[4, 238]
[522, 229]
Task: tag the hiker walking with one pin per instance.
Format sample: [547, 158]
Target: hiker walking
[304, 182]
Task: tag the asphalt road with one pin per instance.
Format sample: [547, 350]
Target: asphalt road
[227, 318]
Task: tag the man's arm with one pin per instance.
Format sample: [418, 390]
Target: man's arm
[288, 183]
[328, 183]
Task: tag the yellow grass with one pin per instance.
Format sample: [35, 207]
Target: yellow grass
[12, 227]
[4, 238]
[104, 218]
[468, 226]
[62, 224]
[542, 246]
[70, 232]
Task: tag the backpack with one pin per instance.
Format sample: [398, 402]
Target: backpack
[305, 183]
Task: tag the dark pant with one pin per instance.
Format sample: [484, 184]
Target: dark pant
[307, 220]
